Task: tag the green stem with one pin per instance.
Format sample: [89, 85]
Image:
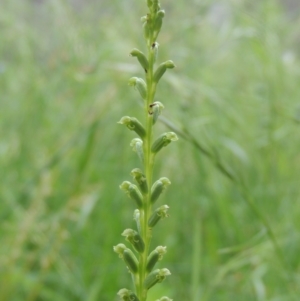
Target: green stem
[148, 167]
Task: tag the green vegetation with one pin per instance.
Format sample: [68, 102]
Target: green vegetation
[233, 231]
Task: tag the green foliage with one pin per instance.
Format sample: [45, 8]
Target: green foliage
[234, 100]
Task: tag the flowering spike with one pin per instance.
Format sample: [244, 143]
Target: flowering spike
[135, 239]
[145, 193]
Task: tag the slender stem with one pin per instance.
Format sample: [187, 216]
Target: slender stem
[148, 167]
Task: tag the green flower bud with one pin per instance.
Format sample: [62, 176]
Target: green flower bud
[119, 249]
[156, 109]
[141, 58]
[156, 5]
[127, 295]
[130, 261]
[162, 141]
[158, 22]
[156, 276]
[144, 19]
[158, 188]
[128, 257]
[157, 215]
[133, 192]
[149, 3]
[164, 299]
[137, 146]
[154, 256]
[134, 125]
[161, 69]
[160, 14]
[140, 178]
[136, 217]
[135, 239]
[147, 29]
[140, 85]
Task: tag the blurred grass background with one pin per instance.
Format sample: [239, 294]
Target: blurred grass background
[234, 98]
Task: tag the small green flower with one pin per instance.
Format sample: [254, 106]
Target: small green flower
[158, 188]
[141, 179]
[161, 69]
[158, 23]
[164, 299]
[130, 260]
[137, 146]
[155, 256]
[141, 58]
[140, 85]
[127, 295]
[149, 3]
[157, 215]
[128, 257]
[144, 19]
[156, 276]
[155, 110]
[119, 249]
[134, 125]
[155, 5]
[137, 218]
[133, 192]
[147, 29]
[135, 239]
[163, 140]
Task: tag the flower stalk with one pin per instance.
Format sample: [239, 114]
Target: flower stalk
[139, 260]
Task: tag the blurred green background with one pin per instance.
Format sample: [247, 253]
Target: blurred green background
[234, 99]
